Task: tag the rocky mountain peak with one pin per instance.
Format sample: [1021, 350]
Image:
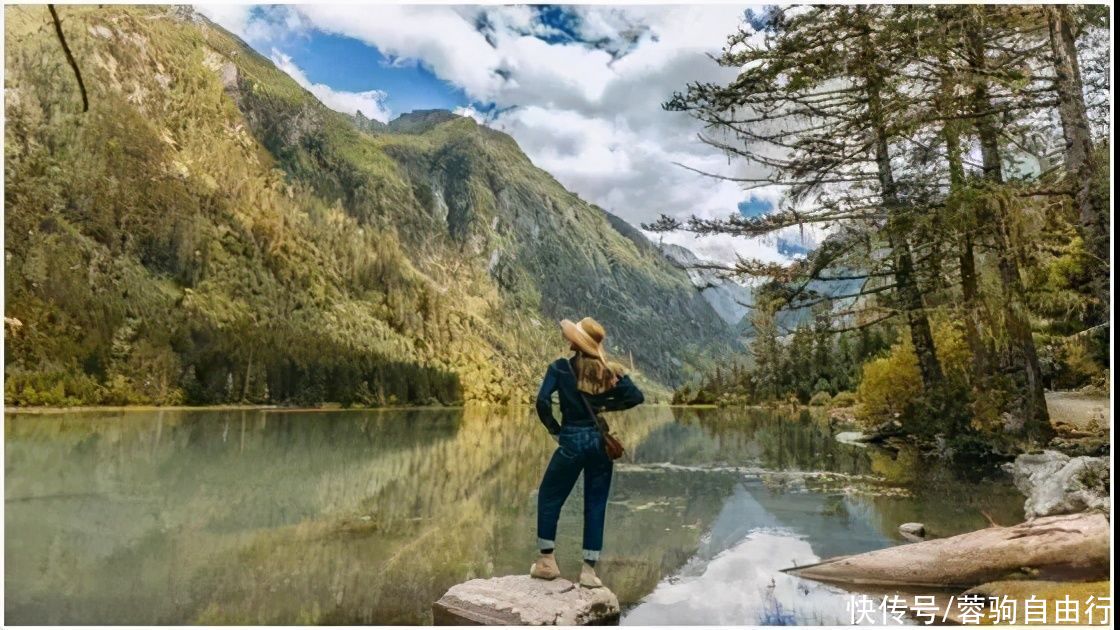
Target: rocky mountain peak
[731, 300]
[420, 120]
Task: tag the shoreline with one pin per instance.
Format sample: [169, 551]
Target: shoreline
[325, 407]
[1052, 396]
[276, 408]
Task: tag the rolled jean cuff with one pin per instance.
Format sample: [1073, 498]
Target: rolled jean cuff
[591, 554]
[545, 544]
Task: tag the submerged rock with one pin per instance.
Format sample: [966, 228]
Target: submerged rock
[855, 438]
[519, 600]
[1055, 483]
[912, 531]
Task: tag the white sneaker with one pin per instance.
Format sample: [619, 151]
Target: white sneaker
[588, 578]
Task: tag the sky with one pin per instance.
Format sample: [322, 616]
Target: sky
[578, 87]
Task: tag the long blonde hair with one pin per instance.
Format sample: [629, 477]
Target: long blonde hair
[594, 375]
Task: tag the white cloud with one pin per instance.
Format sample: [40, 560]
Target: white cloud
[588, 113]
[444, 38]
[371, 102]
[471, 112]
[233, 17]
[261, 25]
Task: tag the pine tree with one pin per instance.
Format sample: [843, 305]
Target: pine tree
[818, 106]
[866, 116]
[766, 351]
[1080, 156]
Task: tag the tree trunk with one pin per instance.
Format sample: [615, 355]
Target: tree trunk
[248, 372]
[1068, 547]
[1092, 210]
[981, 365]
[1024, 356]
[910, 295]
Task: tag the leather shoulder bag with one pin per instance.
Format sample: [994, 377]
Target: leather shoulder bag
[611, 444]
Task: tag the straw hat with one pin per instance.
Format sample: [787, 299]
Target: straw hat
[587, 335]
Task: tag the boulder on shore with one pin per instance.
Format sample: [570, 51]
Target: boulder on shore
[1055, 483]
[883, 432]
[1069, 547]
[520, 600]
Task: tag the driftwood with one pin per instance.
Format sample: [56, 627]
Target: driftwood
[1069, 547]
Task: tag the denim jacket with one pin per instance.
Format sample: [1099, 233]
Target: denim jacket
[559, 378]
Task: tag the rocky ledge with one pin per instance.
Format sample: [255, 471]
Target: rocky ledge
[1055, 483]
[519, 600]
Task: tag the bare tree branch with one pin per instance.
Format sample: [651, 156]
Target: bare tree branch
[69, 56]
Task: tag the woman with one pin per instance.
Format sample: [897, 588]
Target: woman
[585, 380]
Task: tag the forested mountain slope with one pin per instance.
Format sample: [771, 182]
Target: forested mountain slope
[209, 232]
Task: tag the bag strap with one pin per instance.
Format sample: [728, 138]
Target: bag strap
[600, 424]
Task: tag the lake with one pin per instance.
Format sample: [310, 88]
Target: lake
[359, 517]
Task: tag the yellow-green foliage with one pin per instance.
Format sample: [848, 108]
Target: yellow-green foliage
[820, 399]
[843, 399]
[890, 384]
[1079, 362]
[1083, 593]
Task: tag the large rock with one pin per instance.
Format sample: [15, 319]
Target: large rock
[913, 532]
[1055, 483]
[519, 600]
[1069, 547]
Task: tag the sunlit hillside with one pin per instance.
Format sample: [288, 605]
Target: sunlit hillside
[209, 232]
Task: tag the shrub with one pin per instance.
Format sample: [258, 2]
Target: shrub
[704, 397]
[843, 399]
[891, 387]
[119, 391]
[820, 399]
[888, 385]
[53, 388]
[1081, 367]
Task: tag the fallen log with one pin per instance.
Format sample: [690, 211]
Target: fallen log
[1071, 547]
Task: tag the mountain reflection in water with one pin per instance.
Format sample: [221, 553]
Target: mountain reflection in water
[358, 517]
[735, 577]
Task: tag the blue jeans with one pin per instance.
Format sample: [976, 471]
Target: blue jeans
[580, 450]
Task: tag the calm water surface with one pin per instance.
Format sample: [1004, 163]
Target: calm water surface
[355, 517]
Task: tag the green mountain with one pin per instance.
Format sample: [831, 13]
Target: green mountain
[209, 232]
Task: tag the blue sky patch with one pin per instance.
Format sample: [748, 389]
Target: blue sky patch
[755, 207]
[792, 248]
[562, 23]
[760, 19]
[351, 65]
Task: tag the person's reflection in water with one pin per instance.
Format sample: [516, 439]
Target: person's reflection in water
[586, 384]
